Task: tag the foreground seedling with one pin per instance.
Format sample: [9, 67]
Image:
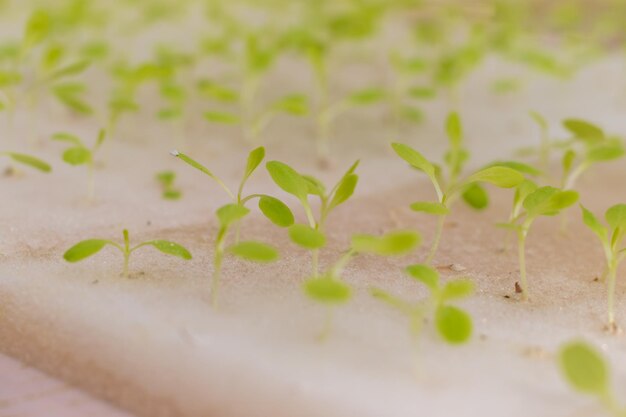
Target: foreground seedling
[27, 160]
[587, 372]
[230, 216]
[331, 290]
[612, 239]
[452, 323]
[312, 236]
[80, 154]
[87, 248]
[450, 189]
[531, 202]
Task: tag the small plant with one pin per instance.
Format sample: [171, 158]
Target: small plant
[452, 323]
[587, 372]
[450, 189]
[312, 236]
[27, 160]
[230, 215]
[612, 238]
[87, 248]
[531, 202]
[166, 181]
[80, 154]
[331, 290]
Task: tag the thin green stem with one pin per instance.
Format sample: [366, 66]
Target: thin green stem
[435, 245]
[612, 272]
[521, 246]
[328, 324]
[91, 182]
[217, 266]
[126, 251]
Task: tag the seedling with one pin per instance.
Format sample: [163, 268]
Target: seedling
[230, 215]
[79, 154]
[166, 181]
[27, 160]
[586, 371]
[531, 202]
[453, 324]
[87, 248]
[612, 238]
[331, 290]
[450, 189]
[312, 236]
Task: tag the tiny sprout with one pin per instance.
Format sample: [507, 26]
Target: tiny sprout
[28, 160]
[529, 203]
[79, 154]
[166, 181]
[311, 236]
[587, 372]
[448, 191]
[329, 288]
[452, 323]
[612, 239]
[230, 215]
[87, 248]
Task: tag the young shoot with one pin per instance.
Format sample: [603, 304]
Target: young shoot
[449, 189]
[78, 153]
[586, 371]
[26, 160]
[168, 190]
[530, 203]
[230, 216]
[612, 237]
[331, 290]
[87, 248]
[453, 324]
[311, 236]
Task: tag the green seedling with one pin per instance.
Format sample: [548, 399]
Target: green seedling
[531, 202]
[27, 160]
[331, 290]
[166, 181]
[453, 324]
[449, 190]
[230, 216]
[79, 154]
[586, 371]
[612, 238]
[312, 236]
[87, 248]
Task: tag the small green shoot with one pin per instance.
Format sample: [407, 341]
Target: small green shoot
[612, 237]
[168, 190]
[87, 248]
[28, 160]
[453, 324]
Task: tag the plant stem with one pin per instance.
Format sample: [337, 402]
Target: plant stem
[126, 252]
[217, 266]
[521, 240]
[91, 184]
[612, 272]
[328, 324]
[433, 249]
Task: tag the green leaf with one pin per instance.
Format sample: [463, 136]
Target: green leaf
[231, 213]
[616, 216]
[74, 103]
[583, 130]
[306, 236]
[568, 161]
[476, 196]
[194, 164]
[459, 288]
[499, 176]
[425, 274]
[294, 104]
[67, 137]
[422, 92]
[344, 190]
[391, 300]
[454, 129]
[524, 189]
[276, 211]
[170, 248]
[77, 155]
[71, 69]
[584, 368]
[222, 117]
[518, 166]
[288, 179]
[327, 290]
[453, 324]
[548, 201]
[31, 161]
[37, 28]
[437, 209]
[217, 92]
[414, 158]
[540, 120]
[314, 186]
[254, 251]
[605, 152]
[594, 224]
[367, 96]
[393, 243]
[84, 249]
[254, 159]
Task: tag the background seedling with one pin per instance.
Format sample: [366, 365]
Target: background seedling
[452, 323]
[329, 288]
[587, 372]
[450, 189]
[166, 181]
[230, 215]
[531, 202]
[87, 248]
[312, 236]
[612, 239]
[79, 154]
[27, 160]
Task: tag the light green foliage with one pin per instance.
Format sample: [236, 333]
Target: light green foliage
[90, 247]
[28, 160]
[231, 215]
[453, 324]
[166, 181]
[450, 187]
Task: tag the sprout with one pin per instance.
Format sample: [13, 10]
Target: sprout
[87, 248]
[166, 181]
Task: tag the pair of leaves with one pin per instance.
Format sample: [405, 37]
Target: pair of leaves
[616, 219]
[87, 248]
[548, 201]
